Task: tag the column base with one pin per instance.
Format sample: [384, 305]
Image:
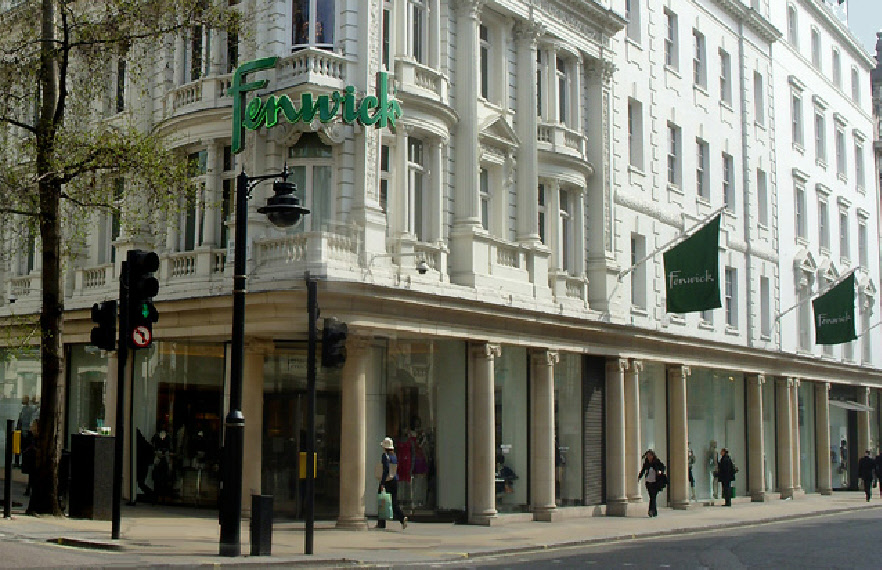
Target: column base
[353, 523]
[617, 508]
[545, 514]
[763, 496]
[681, 505]
[825, 491]
[786, 493]
[482, 519]
[798, 493]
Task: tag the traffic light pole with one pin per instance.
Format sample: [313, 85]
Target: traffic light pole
[122, 356]
[312, 310]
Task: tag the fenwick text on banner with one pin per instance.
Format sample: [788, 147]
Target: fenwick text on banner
[377, 110]
[692, 271]
[834, 314]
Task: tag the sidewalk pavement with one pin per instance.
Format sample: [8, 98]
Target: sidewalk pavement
[183, 536]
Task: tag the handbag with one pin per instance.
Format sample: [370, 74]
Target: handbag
[662, 480]
[384, 506]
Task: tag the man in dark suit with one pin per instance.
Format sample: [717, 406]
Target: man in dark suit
[866, 470]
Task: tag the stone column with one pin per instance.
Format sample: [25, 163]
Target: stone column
[616, 500]
[863, 423]
[481, 430]
[633, 452]
[467, 206]
[353, 434]
[436, 189]
[542, 450]
[794, 423]
[756, 443]
[213, 195]
[526, 37]
[256, 352]
[678, 446]
[785, 438]
[822, 437]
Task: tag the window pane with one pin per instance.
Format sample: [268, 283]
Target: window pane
[320, 213]
[324, 22]
[301, 22]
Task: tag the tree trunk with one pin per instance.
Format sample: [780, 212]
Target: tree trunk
[44, 488]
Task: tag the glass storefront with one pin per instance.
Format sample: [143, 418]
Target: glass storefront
[770, 441]
[416, 394]
[510, 402]
[844, 406]
[653, 416]
[715, 401]
[177, 415]
[19, 391]
[807, 437]
[568, 430]
[285, 431]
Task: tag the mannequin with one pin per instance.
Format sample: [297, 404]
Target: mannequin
[713, 459]
[691, 476]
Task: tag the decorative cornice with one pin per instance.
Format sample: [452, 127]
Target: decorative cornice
[753, 19]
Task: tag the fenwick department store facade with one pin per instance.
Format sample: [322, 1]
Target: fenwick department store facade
[515, 342]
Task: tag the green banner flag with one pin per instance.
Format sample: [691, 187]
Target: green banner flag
[834, 314]
[692, 271]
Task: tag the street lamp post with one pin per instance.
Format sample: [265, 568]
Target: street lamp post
[283, 209]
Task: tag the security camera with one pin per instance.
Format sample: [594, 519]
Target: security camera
[422, 267]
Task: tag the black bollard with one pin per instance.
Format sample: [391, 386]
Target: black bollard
[7, 483]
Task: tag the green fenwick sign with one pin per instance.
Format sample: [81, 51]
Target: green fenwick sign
[378, 110]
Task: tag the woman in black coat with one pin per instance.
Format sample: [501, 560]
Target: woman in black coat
[654, 470]
[726, 474]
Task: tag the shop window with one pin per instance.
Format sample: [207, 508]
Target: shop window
[510, 402]
[568, 436]
[313, 23]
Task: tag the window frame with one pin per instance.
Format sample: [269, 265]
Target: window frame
[675, 155]
[702, 168]
[315, 17]
[699, 59]
[672, 47]
[731, 296]
[725, 77]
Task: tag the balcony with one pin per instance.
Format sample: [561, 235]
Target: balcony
[560, 139]
[310, 66]
[418, 79]
[199, 95]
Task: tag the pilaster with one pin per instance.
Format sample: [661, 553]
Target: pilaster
[481, 429]
[633, 453]
[353, 434]
[256, 351]
[678, 446]
[756, 441]
[822, 438]
[542, 449]
[616, 499]
[785, 438]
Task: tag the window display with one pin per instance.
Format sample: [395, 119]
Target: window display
[654, 417]
[178, 403]
[807, 448]
[568, 430]
[510, 400]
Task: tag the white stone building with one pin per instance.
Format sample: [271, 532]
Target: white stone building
[544, 147]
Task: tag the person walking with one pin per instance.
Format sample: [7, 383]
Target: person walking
[726, 474]
[879, 471]
[654, 470]
[389, 482]
[866, 470]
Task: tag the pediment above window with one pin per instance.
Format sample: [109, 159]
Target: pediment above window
[497, 132]
[827, 270]
[804, 263]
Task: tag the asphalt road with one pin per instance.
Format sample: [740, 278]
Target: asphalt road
[849, 540]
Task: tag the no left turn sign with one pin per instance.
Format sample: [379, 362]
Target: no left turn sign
[141, 336]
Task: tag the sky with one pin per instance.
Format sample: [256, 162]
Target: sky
[864, 20]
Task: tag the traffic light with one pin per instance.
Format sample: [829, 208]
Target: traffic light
[334, 343]
[104, 335]
[143, 286]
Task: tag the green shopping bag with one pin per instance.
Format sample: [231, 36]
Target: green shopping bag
[384, 506]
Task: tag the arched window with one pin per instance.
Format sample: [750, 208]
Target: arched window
[313, 23]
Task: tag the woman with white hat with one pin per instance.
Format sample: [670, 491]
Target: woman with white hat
[389, 481]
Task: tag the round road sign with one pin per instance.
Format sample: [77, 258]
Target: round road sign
[141, 336]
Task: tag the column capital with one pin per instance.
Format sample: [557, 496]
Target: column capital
[636, 365]
[486, 350]
[470, 8]
[759, 379]
[679, 371]
[528, 31]
[546, 356]
[617, 364]
[600, 68]
[263, 346]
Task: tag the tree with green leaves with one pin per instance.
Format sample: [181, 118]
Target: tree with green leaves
[64, 67]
